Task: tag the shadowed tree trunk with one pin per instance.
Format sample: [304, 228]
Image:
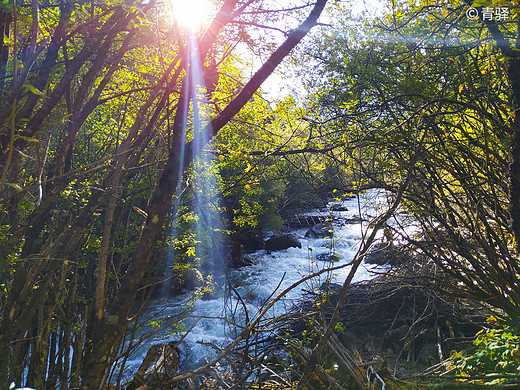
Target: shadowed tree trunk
[510, 52]
[5, 27]
[72, 68]
[105, 335]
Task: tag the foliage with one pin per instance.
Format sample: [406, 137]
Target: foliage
[259, 185]
[497, 351]
[103, 107]
[419, 96]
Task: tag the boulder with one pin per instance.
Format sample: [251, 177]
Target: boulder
[339, 207]
[182, 279]
[160, 364]
[243, 261]
[177, 281]
[251, 296]
[320, 230]
[250, 240]
[191, 278]
[384, 253]
[233, 248]
[327, 257]
[234, 251]
[282, 241]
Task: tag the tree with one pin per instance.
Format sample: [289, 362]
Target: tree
[68, 170]
[429, 82]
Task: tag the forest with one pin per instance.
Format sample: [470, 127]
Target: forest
[154, 155]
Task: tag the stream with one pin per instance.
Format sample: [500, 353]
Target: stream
[269, 274]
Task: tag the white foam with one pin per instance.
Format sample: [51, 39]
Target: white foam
[268, 275]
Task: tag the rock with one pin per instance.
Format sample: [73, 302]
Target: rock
[192, 279]
[160, 364]
[178, 280]
[243, 261]
[385, 253]
[235, 250]
[250, 240]
[239, 284]
[237, 258]
[251, 296]
[339, 207]
[354, 220]
[327, 257]
[320, 230]
[184, 279]
[282, 241]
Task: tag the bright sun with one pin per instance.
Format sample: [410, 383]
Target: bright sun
[192, 14]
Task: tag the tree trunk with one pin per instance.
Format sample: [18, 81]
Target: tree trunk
[514, 168]
[107, 333]
[5, 28]
[510, 51]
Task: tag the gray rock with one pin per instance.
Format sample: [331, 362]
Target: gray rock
[160, 364]
[243, 261]
[327, 257]
[320, 230]
[192, 278]
[339, 207]
[250, 240]
[251, 296]
[282, 241]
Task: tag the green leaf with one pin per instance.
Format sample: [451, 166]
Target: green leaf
[481, 3]
[15, 186]
[28, 139]
[34, 90]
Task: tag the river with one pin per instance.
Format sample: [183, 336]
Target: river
[269, 274]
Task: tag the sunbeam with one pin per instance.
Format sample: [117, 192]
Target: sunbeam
[203, 186]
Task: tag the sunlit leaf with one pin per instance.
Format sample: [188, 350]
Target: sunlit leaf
[34, 90]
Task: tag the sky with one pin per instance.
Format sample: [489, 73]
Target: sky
[372, 7]
[276, 86]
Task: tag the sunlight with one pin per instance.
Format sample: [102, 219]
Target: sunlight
[203, 181]
[192, 14]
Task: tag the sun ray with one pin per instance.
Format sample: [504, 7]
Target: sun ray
[192, 14]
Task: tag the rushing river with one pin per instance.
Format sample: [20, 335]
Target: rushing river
[269, 274]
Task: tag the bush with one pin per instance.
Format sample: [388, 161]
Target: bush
[497, 351]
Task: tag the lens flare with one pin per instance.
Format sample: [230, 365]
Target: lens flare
[192, 14]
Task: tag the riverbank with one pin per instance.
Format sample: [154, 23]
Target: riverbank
[395, 324]
[396, 329]
[400, 328]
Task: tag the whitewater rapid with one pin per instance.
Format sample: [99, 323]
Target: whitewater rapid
[269, 274]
